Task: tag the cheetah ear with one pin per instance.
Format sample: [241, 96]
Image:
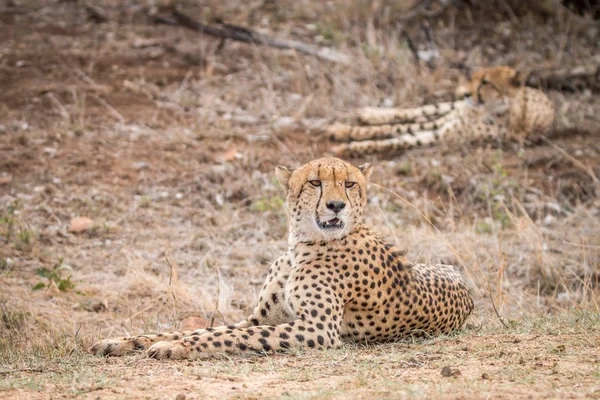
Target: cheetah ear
[283, 176]
[366, 170]
[519, 78]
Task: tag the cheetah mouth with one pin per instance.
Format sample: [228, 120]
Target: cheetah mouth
[334, 223]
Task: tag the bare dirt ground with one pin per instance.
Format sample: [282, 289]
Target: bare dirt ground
[167, 140]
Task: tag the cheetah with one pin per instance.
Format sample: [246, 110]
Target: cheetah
[337, 282]
[495, 104]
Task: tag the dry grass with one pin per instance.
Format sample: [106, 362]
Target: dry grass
[168, 142]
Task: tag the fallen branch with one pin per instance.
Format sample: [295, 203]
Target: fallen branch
[571, 79]
[565, 79]
[242, 34]
[96, 13]
[420, 10]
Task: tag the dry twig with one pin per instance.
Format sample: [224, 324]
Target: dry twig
[570, 79]
[172, 277]
[243, 34]
[420, 10]
[96, 12]
[496, 311]
[212, 318]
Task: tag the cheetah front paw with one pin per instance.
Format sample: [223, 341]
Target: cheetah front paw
[119, 347]
[175, 350]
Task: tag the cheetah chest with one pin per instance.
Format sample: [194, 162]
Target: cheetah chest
[369, 281]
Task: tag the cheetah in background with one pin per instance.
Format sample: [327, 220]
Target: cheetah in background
[337, 282]
[496, 105]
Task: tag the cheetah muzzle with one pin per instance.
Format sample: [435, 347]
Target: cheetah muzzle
[333, 223]
[338, 282]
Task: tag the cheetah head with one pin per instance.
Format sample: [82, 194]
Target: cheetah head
[491, 84]
[325, 199]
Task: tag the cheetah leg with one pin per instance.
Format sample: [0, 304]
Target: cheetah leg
[381, 116]
[341, 132]
[317, 326]
[404, 142]
[269, 310]
[462, 125]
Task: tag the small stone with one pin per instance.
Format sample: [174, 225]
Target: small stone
[180, 397]
[50, 151]
[448, 372]
[387, 102]
[549, 220]
[485, 376]
[245, 119]
[80, 224]
[228, 156]
[285, 122]
[140, 165]
[193, 322]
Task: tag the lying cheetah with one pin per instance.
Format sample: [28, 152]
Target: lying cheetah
[496, 105]
[337, 282]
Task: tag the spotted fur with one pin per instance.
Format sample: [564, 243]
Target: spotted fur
[497, 105]
[391, 116]
[337, 282]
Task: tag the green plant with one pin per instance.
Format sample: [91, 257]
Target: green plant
[265, 203]
[55, 277]
[10, 224]
[329, 33]
[11, 319]
[24, 239]
[483, 227]
[405, 168]
[8, 219]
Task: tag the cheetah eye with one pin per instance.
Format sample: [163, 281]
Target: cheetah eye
[315, 183]
[484, 81]
[349, 184]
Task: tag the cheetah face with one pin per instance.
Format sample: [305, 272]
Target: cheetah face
[491, 85]
[325, 199]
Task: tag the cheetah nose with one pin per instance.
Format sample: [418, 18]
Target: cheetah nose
[336, 206]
